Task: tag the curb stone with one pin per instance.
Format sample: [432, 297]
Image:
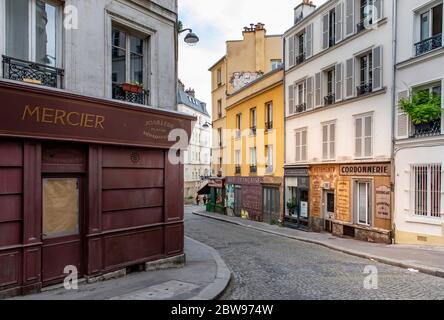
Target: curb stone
[437, 272]
[223, 277]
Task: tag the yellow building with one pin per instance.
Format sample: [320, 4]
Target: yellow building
[255, 147]
[245, 61]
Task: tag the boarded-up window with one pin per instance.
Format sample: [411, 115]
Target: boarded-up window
[60, 207]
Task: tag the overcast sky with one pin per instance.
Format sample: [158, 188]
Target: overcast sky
[218, 21]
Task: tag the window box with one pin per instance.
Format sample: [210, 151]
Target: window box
[429, 129]
[130, 87]
[364, 89]
[329, 99]
[428, 44]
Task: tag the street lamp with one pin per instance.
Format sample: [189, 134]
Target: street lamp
[191, 38]
[207, 125]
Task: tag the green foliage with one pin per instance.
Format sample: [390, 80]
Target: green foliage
[423, 107]
[291, 204]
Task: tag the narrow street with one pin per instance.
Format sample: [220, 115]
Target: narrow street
[265, 266]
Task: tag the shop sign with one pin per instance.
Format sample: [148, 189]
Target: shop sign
[216, 183]
[304, 209]
[343, 199]
[365, 170]
[383, 202]
[296, 172]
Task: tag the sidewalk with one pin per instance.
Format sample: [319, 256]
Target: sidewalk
[429, 260]
[204, 277]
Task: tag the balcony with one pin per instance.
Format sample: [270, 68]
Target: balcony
[253, 169]
[269, 125]
[121, 93]
[238, 170]
[362, 25]
[428, 44]
[364, 89]
[329, 99]
[300, 58]
[331, 41]
[300, 108]
[31, 72]
[427, 129]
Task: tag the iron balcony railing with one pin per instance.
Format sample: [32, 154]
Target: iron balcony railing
[300, 108]
[300, 58]
[430, 129]
[428, 44]
[32, 72]
[134, 97]
[238, 169]
[362, 25]
[269, 125]
[329, 99]
[364, 89]
[253, 131]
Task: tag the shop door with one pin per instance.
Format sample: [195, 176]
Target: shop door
[237, 201]
[271, 205]
[302, 207]
[62, 210]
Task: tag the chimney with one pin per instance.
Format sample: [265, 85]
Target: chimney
[303, 10]
[191, 92]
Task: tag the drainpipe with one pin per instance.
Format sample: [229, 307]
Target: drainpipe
[285, 128]
[394, 58]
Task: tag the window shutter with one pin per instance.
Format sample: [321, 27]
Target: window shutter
[298, 146]
[309, 41]
[402, 119]
[349, 78]
[339, 76]
[291, 51]
[333, 141]
[377, 10]
[338, 22]
[290, 99]
[349, 17]
[318, 89]
[325, 141]
[309, 84]
[377, 68]
[325, 32]
[358, 137]
[304, 145]
[368, 136]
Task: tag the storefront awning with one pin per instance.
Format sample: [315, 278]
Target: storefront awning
[205, 190]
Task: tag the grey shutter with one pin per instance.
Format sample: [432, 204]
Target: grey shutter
[291, 51]
[298, 146]
[296, 49]
[339, 80]
[402, 119]
[325, 31]
[359, 126]
[338, 22]
[290, 99]
[309, 84]
[349, 78]
[377, 68]
[377, 10]
[309, 41]
[318, 89]
[349, 17]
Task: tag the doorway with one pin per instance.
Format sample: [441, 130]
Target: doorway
[237, 201]
[329, 209]
[62, 226]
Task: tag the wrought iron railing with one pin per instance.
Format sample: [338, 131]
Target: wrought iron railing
[329, 99]
[430, 129]
[362, 25]
[428, 44]
[134, 97]
[253, 131]
[300, 108]
[253, 169]
[269, 125]
[300, 58]
[32, 72]
[364, 89]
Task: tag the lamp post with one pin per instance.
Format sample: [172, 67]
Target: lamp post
[191, 38]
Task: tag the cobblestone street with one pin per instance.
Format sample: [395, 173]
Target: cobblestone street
[265, 266]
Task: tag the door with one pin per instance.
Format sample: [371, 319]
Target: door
[237, 200]
[62, 209]
[363, 203]
[302, 206]
[271, 205]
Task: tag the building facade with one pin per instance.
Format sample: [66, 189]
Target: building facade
[338, 80]
[419, 146]
[197, 164]
[88, 96]
[254, 179]
[245, 61]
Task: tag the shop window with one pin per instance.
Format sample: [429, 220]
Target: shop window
[363, 202]
[60, 207]
[427, 189]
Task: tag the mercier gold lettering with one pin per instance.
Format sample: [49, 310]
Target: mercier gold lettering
[62, 117]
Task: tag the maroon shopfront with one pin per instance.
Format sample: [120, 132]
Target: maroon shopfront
[84, 182]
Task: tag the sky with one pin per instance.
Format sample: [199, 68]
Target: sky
[215, 22]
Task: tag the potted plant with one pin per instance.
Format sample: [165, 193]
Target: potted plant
[422, 107]
[291, 205]
[134, 87]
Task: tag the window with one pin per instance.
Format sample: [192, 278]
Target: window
[433, 127]
[301, 145]
[219, 136]
[127, 65]
[363, 202]
[430, 30]
[366, 12]
[328, 141]
[276, 64]
[269, 153]
[365, 74]
[219, 108]
[238, 125]
[300, 46]
[332, 28]
[364, 136]
[300, 98]
[427, 189]
[269, 115]
[253, 121]
[330, 86]
[253, 160]
[219, 77]
[238, 161]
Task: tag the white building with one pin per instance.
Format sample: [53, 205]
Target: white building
[339, 118]
[419, 149]
[93, 47]
[198, 155]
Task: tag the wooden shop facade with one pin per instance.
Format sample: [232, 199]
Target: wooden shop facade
[84, 182]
